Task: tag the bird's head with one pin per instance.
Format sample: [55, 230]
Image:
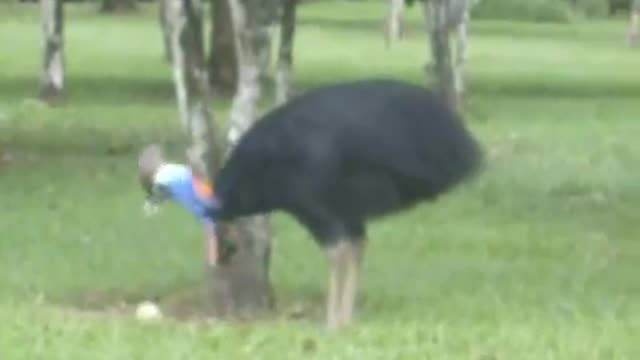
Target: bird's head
[149, 161]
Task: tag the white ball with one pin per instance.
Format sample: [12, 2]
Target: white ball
[148, 311]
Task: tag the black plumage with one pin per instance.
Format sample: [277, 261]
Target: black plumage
[342, 154]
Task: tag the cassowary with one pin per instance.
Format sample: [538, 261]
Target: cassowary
[338, 156]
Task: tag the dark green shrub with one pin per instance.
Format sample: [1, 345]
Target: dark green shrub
[555, 11]
[592, 8]
[618, 5]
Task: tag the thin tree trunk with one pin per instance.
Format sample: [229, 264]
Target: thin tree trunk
[52, 78]
[262, 46]
[436, 12]
[184, 23]
[284, 75]
[268, 18]
[253, 233]
[166, 31]
[394, 21]
[440, 27]
[240, 286]
[113, 6]
[458, 22]
[223, 72]
[462, 43]
[245, 102]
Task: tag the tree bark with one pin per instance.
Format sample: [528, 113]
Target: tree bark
[52, 78]
[223, 72]
[253, 234]
[222, 59]
[247, 40]
[394, 21]
[441, 23]
[240, 286]
[166, 31]
[462, 44]
[267, 14]
[284, 75]
[436, 12]
[184, 24]
[264, 54]
[113, 6]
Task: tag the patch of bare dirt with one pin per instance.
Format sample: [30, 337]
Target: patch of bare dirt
[188, 304]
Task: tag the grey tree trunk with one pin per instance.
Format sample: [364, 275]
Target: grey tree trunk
[284, 75]
[166, 31]
[249, 31]
[266, 16]
[436, 18]
[52, 77]
[240, 286]
[454, 19]
[112, 6]
[394, 21]
[254, 233]
[184, 25]
[223, 72]
[462, 44]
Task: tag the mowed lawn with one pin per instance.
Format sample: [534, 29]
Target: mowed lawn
[536, 259]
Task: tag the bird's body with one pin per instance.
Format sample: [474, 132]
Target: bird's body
[340, 155]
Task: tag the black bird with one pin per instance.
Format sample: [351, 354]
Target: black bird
[338, 156]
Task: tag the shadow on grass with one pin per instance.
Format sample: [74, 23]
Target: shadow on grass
[95, 89]
[487, 84]
[414, 27]
[186, 303]
[363, 25]
[105, 116]
[78, 140]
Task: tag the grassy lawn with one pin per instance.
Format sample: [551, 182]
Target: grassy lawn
[537, 259]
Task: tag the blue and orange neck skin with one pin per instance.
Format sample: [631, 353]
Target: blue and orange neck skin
[206, 194]
[219, 249]
[201, 201]
[202, 189]
[197, 196]
[191, 193]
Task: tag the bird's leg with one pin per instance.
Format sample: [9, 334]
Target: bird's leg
[345, 258]
[335, 255]
[211, 244]
[352, 263]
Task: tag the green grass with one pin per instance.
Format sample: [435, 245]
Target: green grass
[537, 259]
